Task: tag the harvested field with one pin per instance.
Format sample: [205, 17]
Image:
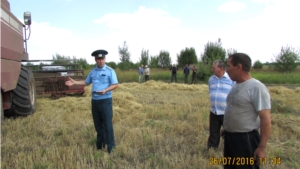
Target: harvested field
[157, 125]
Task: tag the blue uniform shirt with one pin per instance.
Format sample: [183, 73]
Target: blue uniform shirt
[101, 78]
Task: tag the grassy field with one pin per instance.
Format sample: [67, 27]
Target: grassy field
[157, 125]
[265, 75]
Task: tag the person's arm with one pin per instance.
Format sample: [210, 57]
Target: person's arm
[72, 82]
[112, 87]
[114, 82]
[265, 129]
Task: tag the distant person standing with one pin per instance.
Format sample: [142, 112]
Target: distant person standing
[186, 72]
[219, 86]
[248, 111]
[141, 72]
[147, 73]
[194, 74]
[174, 70]
[104, 80]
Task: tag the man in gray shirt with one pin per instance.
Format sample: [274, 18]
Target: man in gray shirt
[247, 111]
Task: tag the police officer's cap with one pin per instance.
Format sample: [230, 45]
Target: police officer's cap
[99, 53]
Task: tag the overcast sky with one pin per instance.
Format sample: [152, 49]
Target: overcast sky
[78, 27]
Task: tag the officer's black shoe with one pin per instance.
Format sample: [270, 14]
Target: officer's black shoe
[215, 148]
[100, 148]
[110, 150]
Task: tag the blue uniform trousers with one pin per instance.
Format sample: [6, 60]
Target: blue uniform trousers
[102, 115]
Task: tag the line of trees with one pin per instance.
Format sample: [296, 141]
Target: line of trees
[285, 61]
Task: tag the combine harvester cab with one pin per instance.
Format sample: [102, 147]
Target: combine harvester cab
[50, 79]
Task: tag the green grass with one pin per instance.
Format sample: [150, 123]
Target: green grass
[277, 78]
[265, 76]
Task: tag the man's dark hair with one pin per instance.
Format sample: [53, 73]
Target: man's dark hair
[241, 58]
[220, 64]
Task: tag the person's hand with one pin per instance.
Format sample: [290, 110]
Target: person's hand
[259, 153]
[101, 92]
[70, 82]
[222, 132]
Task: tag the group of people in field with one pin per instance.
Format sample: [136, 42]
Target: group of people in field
[141, 71]
[239, 108]
[174, 69]
[186, 72]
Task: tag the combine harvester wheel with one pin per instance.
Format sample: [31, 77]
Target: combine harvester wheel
[23, 96]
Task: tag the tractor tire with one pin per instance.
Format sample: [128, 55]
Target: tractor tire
[1, 102]
[23, 96]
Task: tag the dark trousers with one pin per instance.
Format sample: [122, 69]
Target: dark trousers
[193, 79]
[241, 145]
[147, 78]
[174, 76]
[102, 116]
[186, 78]
[215, 123]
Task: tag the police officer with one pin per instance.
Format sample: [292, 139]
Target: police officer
[104, 80]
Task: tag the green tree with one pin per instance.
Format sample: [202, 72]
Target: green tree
[213, 51]
[230, 51]
[61, 59]
[153, 62]
[31, 66]
[164, 59]
[257, 65]
[124, 53]
[286, 60]
[187, 56]
[82, 63]
[112, 65]
[144, 57]
[204, 71]
[67, 62]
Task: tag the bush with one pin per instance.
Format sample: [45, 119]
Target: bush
[204, 71]
[257, 65]
[112, 65]
[125, 65]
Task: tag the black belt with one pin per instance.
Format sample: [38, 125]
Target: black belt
[239, 133]
[215, 112]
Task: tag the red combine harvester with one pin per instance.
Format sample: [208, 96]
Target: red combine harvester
[19, 85]
[50, 78]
